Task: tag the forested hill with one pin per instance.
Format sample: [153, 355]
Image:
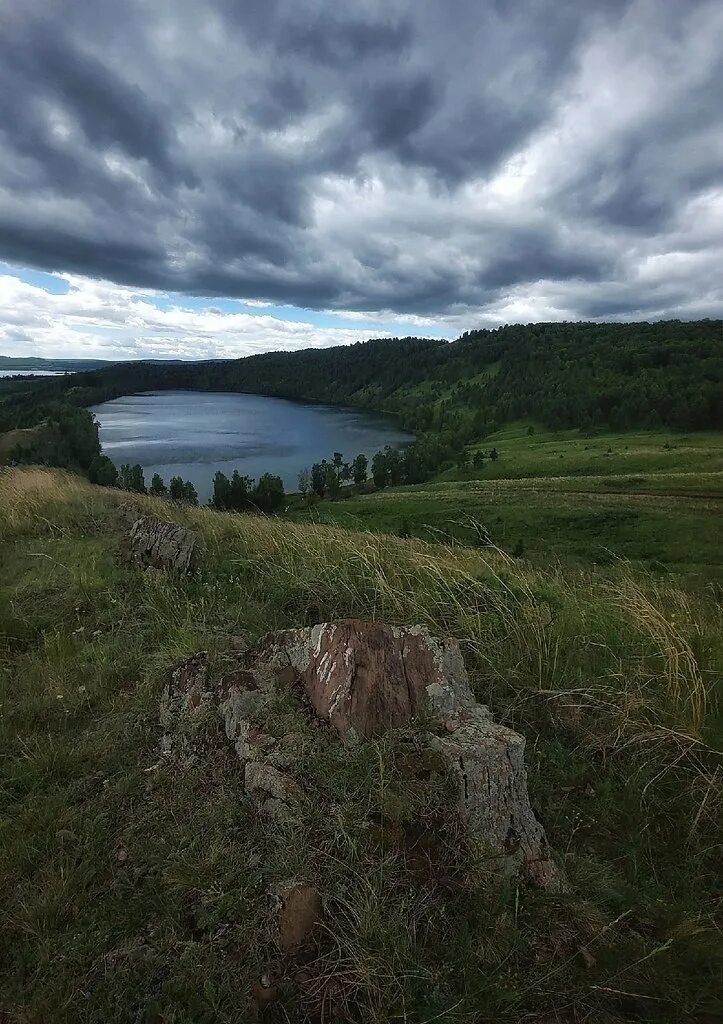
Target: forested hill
[561, 374]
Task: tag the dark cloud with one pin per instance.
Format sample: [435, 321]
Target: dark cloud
[376, 155]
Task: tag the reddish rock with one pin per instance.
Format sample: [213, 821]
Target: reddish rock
[367, 677]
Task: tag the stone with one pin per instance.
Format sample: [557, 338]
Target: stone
[164, 545]
[185, 703]
[300, 911]
[488, 761]
[264, 991]
[365, 677]
[274, 792]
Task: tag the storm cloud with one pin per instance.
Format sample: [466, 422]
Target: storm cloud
[461, 162]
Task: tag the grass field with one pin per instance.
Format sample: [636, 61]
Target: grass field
[650, 498]
[132, 892]
[23, 437]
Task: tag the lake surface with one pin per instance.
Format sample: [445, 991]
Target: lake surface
[191, 434]
[30, 373]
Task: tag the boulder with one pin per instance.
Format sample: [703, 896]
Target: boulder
[164, 545]
[366, 677]
[488, 762]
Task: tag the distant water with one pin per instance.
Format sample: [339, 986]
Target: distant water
[192, 434]
[29, 373]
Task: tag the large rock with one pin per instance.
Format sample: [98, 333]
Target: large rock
[164, 545]
[364, 678]
[367, 677]
[488, 761]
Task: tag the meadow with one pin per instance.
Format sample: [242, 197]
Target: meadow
[650, 498]
[135, 892]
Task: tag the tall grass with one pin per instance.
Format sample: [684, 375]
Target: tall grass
[634, 643]
[610, 676]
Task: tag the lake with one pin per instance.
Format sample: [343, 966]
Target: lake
[29, 373]
[192, 434]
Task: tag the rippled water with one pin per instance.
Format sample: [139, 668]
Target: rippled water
[191, 434]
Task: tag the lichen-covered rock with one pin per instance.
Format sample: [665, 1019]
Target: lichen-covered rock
[488, 762]
[163, 545]
[242, 697]
[274, 792]
[367, 677]
[185, 704]
[364, 678]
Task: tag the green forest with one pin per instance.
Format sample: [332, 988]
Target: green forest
[589, 376]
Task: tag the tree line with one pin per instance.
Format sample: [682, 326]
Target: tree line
[602, 375]
[237, 494]
[593, 376]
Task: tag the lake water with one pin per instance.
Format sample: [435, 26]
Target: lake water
[29, 373]
[191, 434]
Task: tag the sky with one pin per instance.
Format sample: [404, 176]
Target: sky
[194, 179]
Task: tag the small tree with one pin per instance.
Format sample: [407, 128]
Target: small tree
[318, 478]
[333, 482]
[479, 459]
[379, 469]
[494, 455]
[268, 494]
[102, 471]
[240, 491]
[182, 490]
[158, 488]
[394, 465]
[304, 482]
[131, 478]
[359, 470]
[176, 488]
[221, 497]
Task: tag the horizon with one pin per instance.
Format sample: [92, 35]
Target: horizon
[203, 183]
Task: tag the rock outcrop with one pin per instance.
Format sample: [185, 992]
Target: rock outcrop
[364, 678]
[163, 545]
[185, 702]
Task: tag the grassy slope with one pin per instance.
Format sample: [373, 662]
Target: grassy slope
[653, 498]
[22, 436]
[135, 893]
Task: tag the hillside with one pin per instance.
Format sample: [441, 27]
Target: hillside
[133, 891]
[581, 375]
[654, 498]
[32, 363]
